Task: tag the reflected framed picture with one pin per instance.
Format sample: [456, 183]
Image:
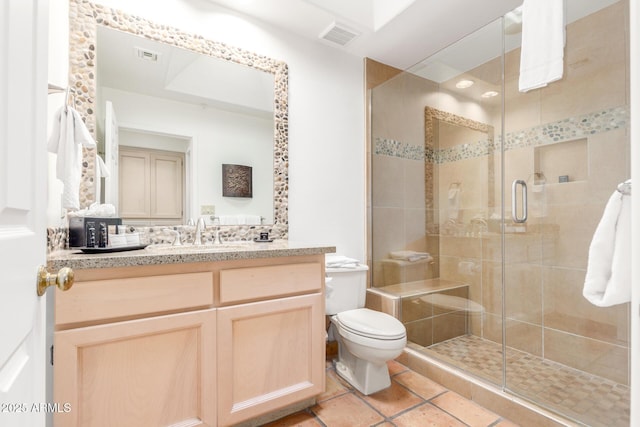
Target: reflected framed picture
[237, 181]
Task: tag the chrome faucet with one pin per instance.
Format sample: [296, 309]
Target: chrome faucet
[200, 227]
[216, 239]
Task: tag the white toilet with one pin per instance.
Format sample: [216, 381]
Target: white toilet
[367, 339]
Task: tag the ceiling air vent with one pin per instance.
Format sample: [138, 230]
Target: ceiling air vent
[339, 34]
[146, 54]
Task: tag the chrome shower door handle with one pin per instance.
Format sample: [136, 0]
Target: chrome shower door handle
[514, 201]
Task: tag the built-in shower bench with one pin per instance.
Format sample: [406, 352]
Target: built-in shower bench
[432, 310]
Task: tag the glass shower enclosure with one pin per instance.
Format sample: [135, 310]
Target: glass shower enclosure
[484, 201]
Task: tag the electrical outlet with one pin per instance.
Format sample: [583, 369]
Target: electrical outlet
[207, 210]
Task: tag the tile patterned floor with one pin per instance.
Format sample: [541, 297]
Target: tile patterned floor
[412, 400]
[587, 398]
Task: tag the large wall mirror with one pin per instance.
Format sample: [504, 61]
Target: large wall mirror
[180, 106]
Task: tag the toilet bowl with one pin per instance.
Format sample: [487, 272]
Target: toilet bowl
[366, 339]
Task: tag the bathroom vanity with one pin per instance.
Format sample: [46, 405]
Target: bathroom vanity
[197, 337]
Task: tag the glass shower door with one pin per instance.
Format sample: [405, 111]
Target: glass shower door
[566, 148]
[436, 190]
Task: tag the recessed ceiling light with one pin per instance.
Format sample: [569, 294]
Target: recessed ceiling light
[463, 84]
[489, 94]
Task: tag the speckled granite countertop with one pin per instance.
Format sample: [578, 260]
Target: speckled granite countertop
[154, 254]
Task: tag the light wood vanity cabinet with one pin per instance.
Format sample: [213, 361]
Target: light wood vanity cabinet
[271, 352]
[198, 344]
[156, 371]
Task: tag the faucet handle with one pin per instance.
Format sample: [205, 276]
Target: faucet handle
[176, 234]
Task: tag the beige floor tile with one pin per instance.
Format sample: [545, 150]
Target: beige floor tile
[334, 386]
[420, 385]
[426, 415]
[346, 411]
[299, 419]
[392, 400]
[469, 412]
[395, 367]
[507, 423]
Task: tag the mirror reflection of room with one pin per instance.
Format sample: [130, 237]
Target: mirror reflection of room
[168, 118]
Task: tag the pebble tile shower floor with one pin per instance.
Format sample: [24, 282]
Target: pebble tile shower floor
[590, 399]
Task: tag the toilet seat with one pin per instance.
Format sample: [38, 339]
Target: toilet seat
[371, 324]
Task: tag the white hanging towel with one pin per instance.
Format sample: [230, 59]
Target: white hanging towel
[543, 37]
[608, 279]
[67, 138]
[102, 171]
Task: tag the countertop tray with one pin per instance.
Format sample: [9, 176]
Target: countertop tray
[111, 249]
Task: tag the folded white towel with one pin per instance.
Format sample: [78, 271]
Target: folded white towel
[228, 219]
[68, 135]
[608, 278]
[340, 261]
[239, 219]
[251, 219]
[543, 35]
[411, 256]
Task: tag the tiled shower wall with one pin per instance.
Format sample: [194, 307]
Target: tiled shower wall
[576, 127]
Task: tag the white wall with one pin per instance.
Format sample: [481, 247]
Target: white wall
[326, 117]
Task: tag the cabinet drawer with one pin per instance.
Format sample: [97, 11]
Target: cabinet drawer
[254, 283]
[98, 300]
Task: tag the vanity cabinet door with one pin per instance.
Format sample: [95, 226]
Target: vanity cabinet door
[271, 354]
[158, 371]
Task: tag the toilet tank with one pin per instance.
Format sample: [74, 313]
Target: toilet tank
[345, 288]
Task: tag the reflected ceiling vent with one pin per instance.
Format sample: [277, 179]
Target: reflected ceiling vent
[339, 34]
[146, 54]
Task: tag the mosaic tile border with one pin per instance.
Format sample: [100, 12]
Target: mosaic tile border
[550, 133]
[393, 148]
[570, 128]
[85, 16]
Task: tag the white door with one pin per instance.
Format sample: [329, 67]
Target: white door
[111, 155]
[23, 175]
